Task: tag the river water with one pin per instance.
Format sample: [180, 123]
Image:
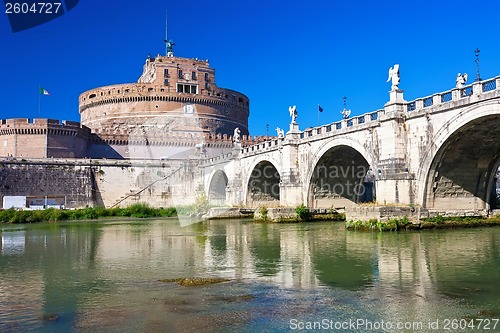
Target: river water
[103, 277]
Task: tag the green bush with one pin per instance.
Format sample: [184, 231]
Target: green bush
[201, 203]
[89, 213]
[139, 210]
[263, 213]
[168, 212]
[6, 215]
[303, 212]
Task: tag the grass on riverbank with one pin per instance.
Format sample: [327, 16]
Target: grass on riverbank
[438, 222]
[138, 210]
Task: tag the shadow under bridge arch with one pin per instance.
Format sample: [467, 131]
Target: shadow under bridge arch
[465, 170]
[264, 186]
[341, 178]
[217, 188]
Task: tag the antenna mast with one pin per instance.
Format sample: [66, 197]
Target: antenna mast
[169, 44]
[166, 31]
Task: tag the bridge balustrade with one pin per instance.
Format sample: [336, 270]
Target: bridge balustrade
[415, 105]
[446, 97]
[428, 102]
[489, 85]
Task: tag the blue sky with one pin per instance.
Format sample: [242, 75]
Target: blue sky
[278, 53]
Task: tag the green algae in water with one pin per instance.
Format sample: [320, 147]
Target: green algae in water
[191, 282]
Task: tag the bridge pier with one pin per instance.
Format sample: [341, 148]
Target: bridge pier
[291, 186]
[395, 183]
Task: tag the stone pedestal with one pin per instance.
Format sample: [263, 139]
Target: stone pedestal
[236, 149]
[396, 96]
[294, 128]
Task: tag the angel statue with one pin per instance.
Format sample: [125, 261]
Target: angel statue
[293, 113]
[394, 76]
[170, 47]
[236, 135]
[461, 79]
[346, 113]
[281, 133]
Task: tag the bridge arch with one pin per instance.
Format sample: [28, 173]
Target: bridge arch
[217, 188]
[262, 186]
[457, 171]
[338, 173]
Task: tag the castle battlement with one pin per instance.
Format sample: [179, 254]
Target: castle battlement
[145, 92]
[14, 124]
[42, 137]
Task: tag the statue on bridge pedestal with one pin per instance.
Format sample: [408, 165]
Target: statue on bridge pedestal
[237, 135]
[281, 133]
[345, 112]
[461, 79]
[394, 76]
[293, 113]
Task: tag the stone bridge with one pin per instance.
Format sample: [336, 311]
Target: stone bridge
[439, 153]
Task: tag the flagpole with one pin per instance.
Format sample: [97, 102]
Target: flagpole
[319, 111]
[39, 88]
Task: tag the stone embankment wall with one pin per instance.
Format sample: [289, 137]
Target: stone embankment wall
[71, 182]
[88, 182]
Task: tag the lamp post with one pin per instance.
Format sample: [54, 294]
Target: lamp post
[476, 52]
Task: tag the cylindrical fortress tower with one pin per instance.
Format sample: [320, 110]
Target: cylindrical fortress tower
[181, 92]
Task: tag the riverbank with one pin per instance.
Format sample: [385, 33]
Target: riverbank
[139, 210]
[438, 222]
[266, 215]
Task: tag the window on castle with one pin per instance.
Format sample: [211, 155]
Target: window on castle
[180, 73]
[187, 88]
[193, 75]
[206, 77]
[165, 72]
[207, 85]
[165, 82]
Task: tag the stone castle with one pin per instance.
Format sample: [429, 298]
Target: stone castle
[174, 111]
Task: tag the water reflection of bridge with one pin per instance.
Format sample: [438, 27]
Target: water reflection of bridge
[394, 267]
